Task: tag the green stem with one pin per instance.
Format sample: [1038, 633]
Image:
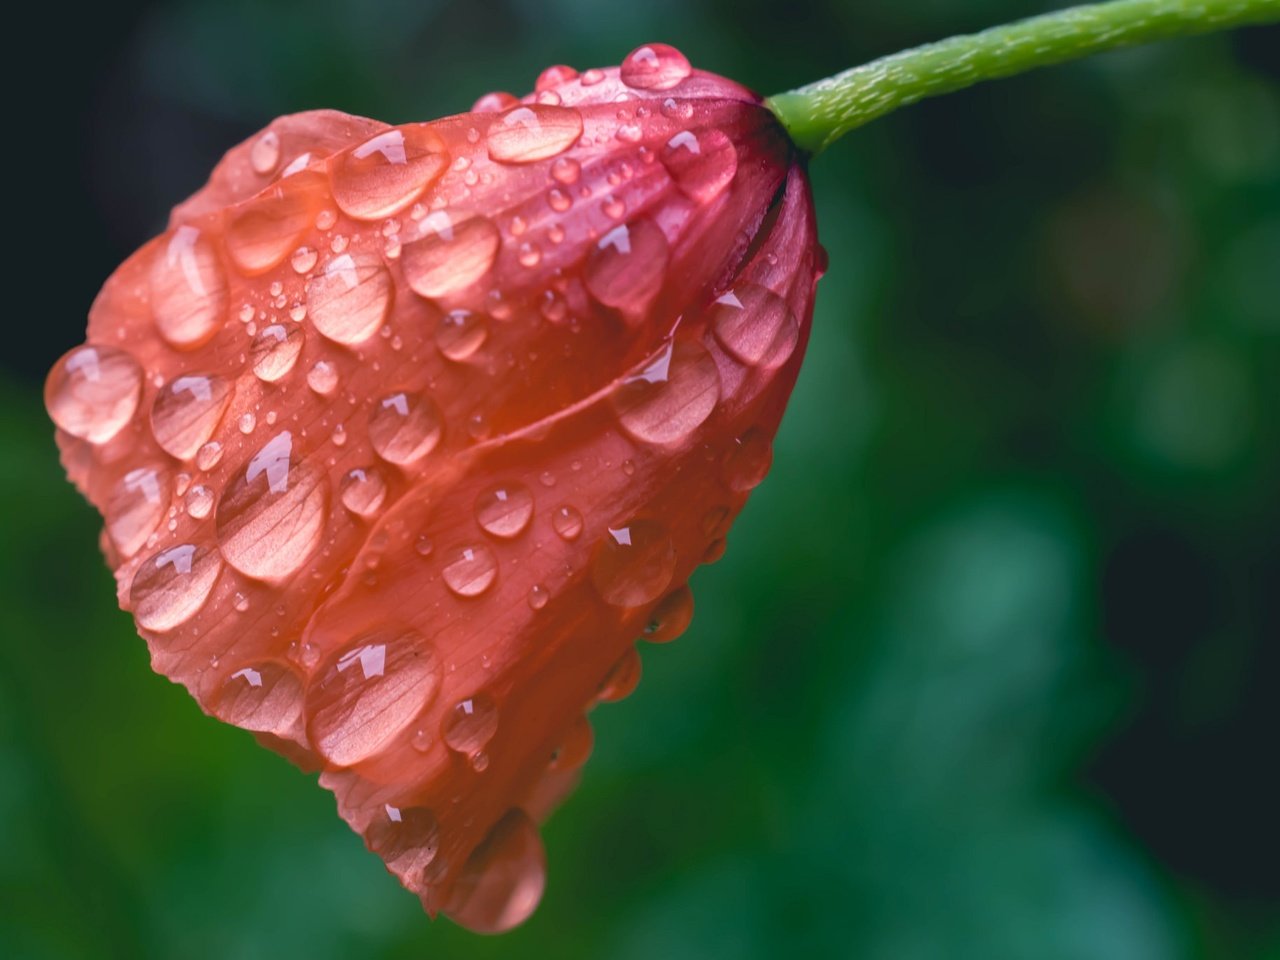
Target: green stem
[818, 114]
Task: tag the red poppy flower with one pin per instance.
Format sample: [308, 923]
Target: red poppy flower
[404, 434]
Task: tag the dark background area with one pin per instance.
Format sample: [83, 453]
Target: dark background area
[992, 666]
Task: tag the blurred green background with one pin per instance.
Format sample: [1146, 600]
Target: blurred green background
[991, 668]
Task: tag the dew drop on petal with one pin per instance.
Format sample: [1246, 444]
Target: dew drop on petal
[671, 617]
[567, 522]
[186, 412]
[449, 256]
[502, 881]
[554, 76]
[264, 155]
[633, 563]
[470, 725]
[404, 427]
[622, 679]
[363, 491]
[655, 66]
[199, 501]
[323, 377]
[263, 231]
[170, 587]
[371, 691]
[271, 515]
[348, 300]
[264, 696]
[406, 838]
[92, 392]
[388, 172]
[566, 170]
[460, 334]
[755, 326]
[136, 506]
[533, 132]
[748, 461]
[304, 260]
[494, 102]
[275, 350]
[471, 570]
[538, 596]
[505, 510]
[188, 289]
[627, 266]
[701, 166]
[671, 396]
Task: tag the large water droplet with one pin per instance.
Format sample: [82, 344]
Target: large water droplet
[701, 165]
[671, 396]
[275, 350]
[370, 692]
[671, 617]
[501, 883]
[505, 510]
[626, 268]
[407, 839]
[264, 696]
[136, 507]
[272, 513]
[655, 66]
[755, 326]
[471, 724]
[388, 172]
[92, 392]
[633, 564]
[449, 256]
[186, 412]
[748, 461]
[170, 587]
[188, 289]
[471, 571]
[533, 132]
[567, 522]
[460, 334]
[363, 491]
[404, 427]
[348, 300]
[265, 230]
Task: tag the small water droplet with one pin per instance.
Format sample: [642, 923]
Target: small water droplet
[538, 596]
[671, 617]
[188, 289]
[247, 423]
[529, 255]
[323, 377]
[241, 603]
[627, 266]
[591, 77]
[325, 219]
[404, 427]
[494, 102]
[449, 256]
[92, 392]
[633, 564]
[264, 696]
[262, 231]
[349, 299]
[265, 152]
[187, 411]
[533, 132]
[671, 396]
[421, 740]
[136, 506]
[170, 587]
[755, 326]
[504, 511]
[423, 546]
[566, 170]
[655, 66]
[748, 461]
[701, 166]
[460, 334]
[674, 109]
[554, 77]
[471, 724]
[407, 839]
[471, 571]
[199, 502]
[275, 350]
[567, 522]
[622, 679]
[388, 172]
[363, 491]
[208, 456]
[304, 260]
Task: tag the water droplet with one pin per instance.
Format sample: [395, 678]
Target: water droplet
[449, 256]
[591, 77]
[671, 396]
[136, 506]
[529, 254]
[323, 378]
[186, 412]
[460, 334]
[188, 289]
[208, 456]
[272, 513]
[363, 490]
[471, 724]
[407, 839]
[404, 427]
[471, 571]
[421, 740]
[558, 200]
[655, 66]
[264, 155]
[370, 692]
[388, 172]
[671, 617]
[630, 133]
[348, 300]
[533, 132]
[565, 170]
[265, 230]
[247, 423]
[502, 881]
[748, 462]
[275, 350]
[554, 76]
[714, 551]
[304, 260]
[627, 266]
[170, 587]
[494, 102]
[264, 696]
[199, 502]
[675, 109]
[504, 511]
[423, 546]
[633, 564]
[755, 326]
[538, 596]
[701, 166]
[622, 679]
[325, 219]
[567, 522]
[92, 392]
